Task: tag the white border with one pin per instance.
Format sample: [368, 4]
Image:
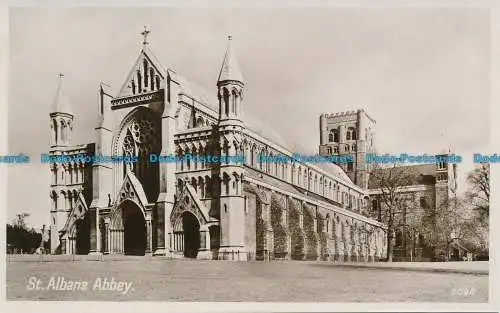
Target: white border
[20, 306]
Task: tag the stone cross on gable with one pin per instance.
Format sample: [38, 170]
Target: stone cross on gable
[145, 34]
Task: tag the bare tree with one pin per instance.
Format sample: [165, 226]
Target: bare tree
[479, 192]
[389, 183]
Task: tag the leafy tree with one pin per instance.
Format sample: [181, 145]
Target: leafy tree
[21, 238]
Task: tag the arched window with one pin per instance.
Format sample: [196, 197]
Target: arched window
[63, 132]
[335, 149]
[225, 94]
[152, 77]
[157, 82]
[199, 122]
[139, 82]
[329, 151]
[132, 83]
[145, 73]
[423, 202]
[235, 100]
[351, 134]
[333, 136]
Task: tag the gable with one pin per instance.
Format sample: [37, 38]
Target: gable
[188, 201]
[132, 190]
[77, 212]
[147, 75]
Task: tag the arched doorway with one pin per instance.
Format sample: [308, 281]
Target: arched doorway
[82, 235]
[134, 229]
[191, 229]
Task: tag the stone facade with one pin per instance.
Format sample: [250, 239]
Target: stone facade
[353, 133]
[196, 208]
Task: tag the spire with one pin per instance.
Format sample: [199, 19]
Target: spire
[230, 69]
[61, 103]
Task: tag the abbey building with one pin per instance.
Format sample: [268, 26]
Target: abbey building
[423, 189]
[212, 210]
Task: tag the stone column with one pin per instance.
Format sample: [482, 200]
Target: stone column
[159, 230]
[94, 244]
[285, 222]
[107, 236]
[149, 237]
[316, 236]
[204, 251]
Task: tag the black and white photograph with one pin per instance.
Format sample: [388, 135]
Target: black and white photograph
[249, 153]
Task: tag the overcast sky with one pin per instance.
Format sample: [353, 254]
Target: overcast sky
[423, 74]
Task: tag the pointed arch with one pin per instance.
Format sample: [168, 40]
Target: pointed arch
[225, 96]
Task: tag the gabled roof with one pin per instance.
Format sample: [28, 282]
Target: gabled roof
[147, 54]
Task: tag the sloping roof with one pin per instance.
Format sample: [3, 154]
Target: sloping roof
[250, 172]
[424, 175]
[61, 103]
[230, 69]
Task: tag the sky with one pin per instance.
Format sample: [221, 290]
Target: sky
[422, 74]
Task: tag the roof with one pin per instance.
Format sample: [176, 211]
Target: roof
[424, 175]
[61, 103]
[287, 187]
[230, 69]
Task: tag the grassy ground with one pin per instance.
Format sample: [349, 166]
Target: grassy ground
[196, 280]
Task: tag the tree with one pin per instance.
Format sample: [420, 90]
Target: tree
[453, 221]
[479, 192]
[22, 239]
[390, 182]
[478, 199]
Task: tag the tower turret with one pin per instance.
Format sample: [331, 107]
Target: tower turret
[230, 139]
[230, 87]
[61, 118]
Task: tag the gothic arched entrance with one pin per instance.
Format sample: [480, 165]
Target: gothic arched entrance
[134, 229]
[82, 227]
[191, 230]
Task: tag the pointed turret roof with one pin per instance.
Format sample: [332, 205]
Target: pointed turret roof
[230, 68]
[61, 103]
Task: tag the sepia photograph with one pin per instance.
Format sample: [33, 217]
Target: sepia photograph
[270, 154]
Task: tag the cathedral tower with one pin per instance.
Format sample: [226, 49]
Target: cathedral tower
[352, 134]
[232, 201]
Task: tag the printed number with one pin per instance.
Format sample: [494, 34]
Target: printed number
[464, 291]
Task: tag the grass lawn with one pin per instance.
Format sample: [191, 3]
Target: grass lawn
[196, 280]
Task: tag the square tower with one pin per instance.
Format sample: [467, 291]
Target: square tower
[349, 133]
